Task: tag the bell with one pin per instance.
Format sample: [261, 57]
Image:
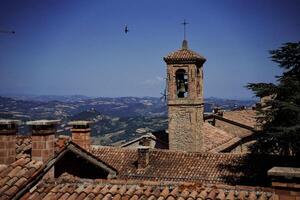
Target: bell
[181, 87]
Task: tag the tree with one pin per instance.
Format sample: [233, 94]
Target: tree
[279, 116]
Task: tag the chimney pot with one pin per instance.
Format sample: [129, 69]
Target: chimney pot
[143, 157]
[81, 133]
[43, 136]
[8, 132]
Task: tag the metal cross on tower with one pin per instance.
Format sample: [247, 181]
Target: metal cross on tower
[184, 28]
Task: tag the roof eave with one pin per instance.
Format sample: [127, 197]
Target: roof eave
[200, 61]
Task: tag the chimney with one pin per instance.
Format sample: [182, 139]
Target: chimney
[81, 133]
[285, 181]
[43, 136]
[145, 140]
[143, 157]
[8, 132]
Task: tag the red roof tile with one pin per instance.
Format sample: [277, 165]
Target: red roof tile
[246, 117]
[184, 55]
[186, 166]
[214, 137]
[16, 175]
[23, 145]
[116, 189]
[195, 167]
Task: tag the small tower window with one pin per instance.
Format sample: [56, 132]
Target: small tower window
[182, 83]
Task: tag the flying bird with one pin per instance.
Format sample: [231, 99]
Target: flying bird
[9, 32]
[126, 29]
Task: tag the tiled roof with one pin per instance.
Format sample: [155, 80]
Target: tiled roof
[195, 167]
[184, 55]
[167, 165]
[23, 145]
[241, 123]
[246, 117]
[214, 137]
[16, 175]
[111, 189]
[228, 145]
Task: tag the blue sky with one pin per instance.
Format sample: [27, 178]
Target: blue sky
[79, 47]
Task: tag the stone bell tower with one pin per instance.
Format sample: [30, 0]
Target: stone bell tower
[185, 99]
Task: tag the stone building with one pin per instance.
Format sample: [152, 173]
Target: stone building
[52, 167]
[143, 173]
[185, 99]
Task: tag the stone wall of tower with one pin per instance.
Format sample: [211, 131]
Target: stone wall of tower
[185, 127]
[185, 114]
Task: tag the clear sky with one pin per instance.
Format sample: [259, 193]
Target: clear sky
[79, 47]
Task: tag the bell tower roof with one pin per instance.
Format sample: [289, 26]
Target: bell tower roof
[184, 55]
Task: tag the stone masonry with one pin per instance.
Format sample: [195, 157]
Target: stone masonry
[43, 141]
[185, 114]
[143, 157]
[81, 133]
[43, 138]
[8, 132]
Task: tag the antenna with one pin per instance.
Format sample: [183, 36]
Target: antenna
[164, 94]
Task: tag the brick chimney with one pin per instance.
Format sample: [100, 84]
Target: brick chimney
[8, 132]
[143, 157]
[146, 141]
[43, 136]
[81, 133]
[285, 181]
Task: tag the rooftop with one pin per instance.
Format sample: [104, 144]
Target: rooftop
[14, 177]
[169, 175]
[246, 117]
[68, 187]
[166, 165]
[214, 137]
[184, 55]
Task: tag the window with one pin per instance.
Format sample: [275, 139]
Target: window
[181, 83]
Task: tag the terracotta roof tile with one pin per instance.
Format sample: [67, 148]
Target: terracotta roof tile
[183, 55]
[165, 165]
[99, 196]
[15, 176]
[2, 167]
[23, 144]
[214, 137]
[90, 196]
[151, 190]
[64, 196]
[246, 117]
[73, 196]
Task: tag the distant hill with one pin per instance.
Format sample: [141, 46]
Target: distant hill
[227, 104]
[115, 119]
[47, 98]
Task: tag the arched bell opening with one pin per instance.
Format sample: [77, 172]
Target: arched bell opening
[181, 83]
